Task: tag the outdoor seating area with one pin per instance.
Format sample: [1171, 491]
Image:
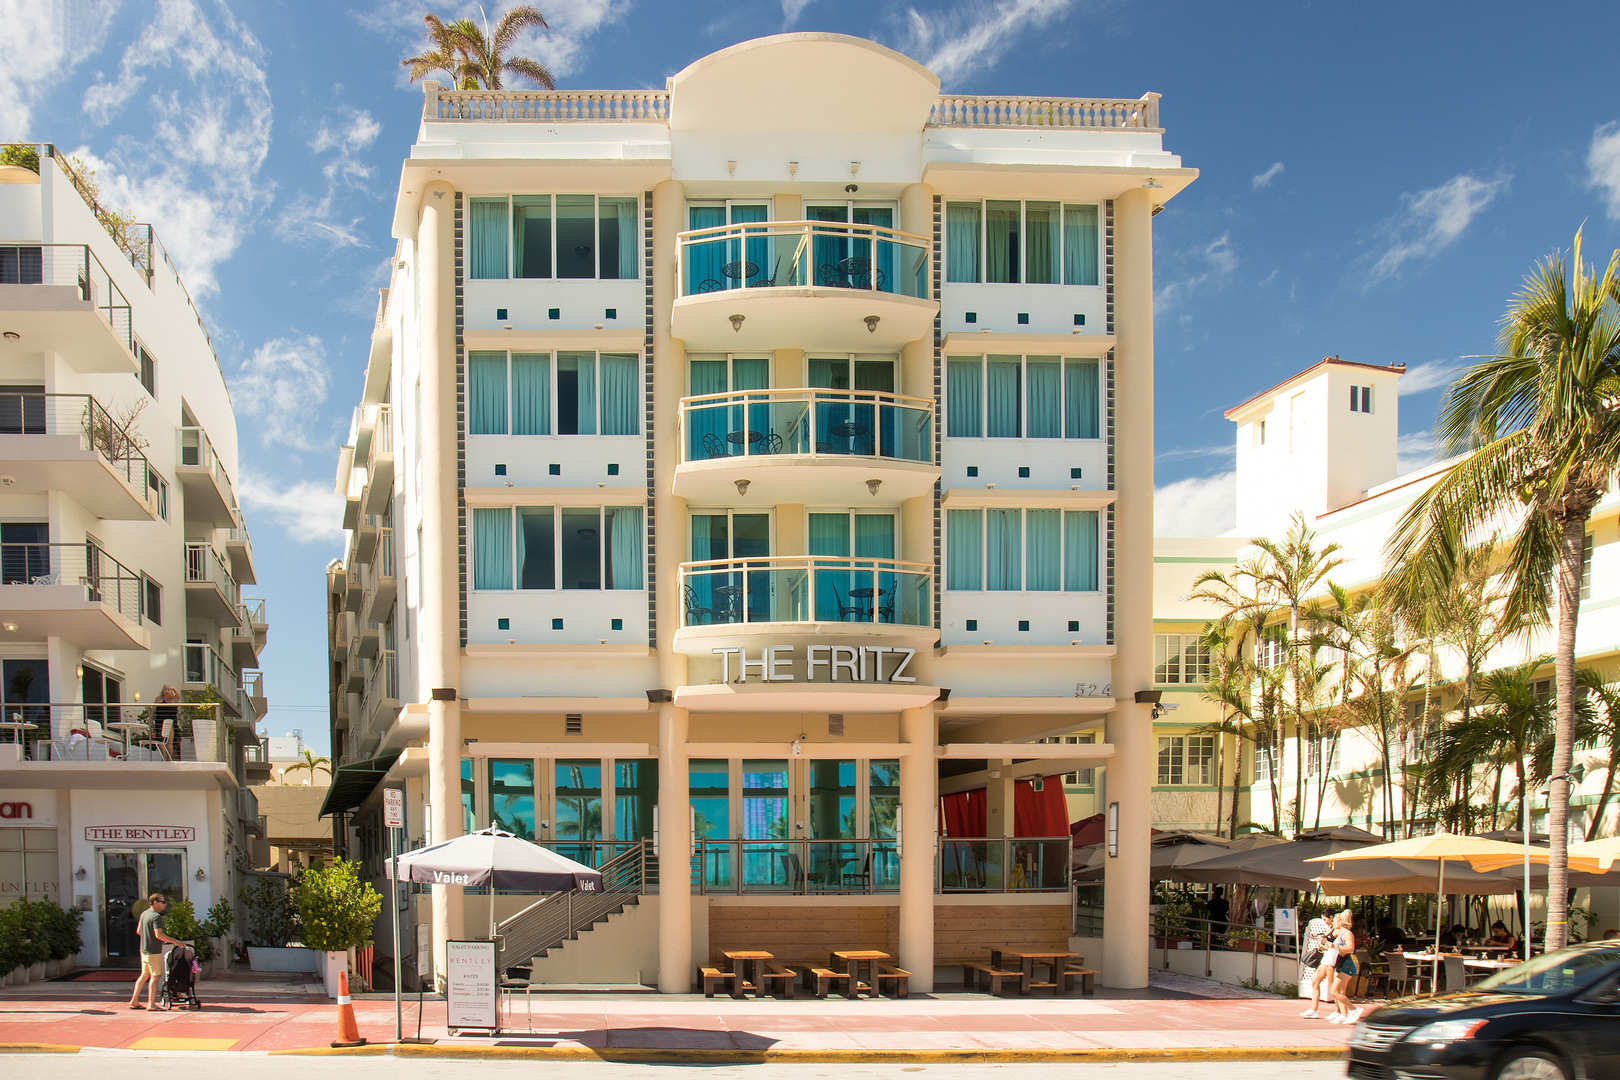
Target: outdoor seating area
[1062, 972]
[851, 972]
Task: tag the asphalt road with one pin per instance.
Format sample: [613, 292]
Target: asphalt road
[133, 1065]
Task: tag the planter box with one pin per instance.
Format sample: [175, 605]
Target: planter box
[336, 963]
[297, 958]
[36, 972]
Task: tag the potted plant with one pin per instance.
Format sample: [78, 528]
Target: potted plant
[1247, 939]
[338, 912]
[1173, 917]
[271, 925]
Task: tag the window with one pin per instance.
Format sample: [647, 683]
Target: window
[28, 862]
[1361, 399]
[148, 369]
[1012, 242]
[511, 795]
[1007, 550]
[1013, 397]
[159, 488]
[554, 236]
[1321, 751]
[151, 601]
[1586, 569]
[1263, 754]
[25, 552]
[1186, 760]
[1180, 659]
[1272, 647]
[538, 547]
[1080, 777]
[571, 393]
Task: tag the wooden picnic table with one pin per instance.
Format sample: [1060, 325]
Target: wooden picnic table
[852, 962]
[1028, 961]
[750, 968]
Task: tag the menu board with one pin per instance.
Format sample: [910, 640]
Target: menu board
[470, 992]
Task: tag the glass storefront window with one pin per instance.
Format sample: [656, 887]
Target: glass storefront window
[469, 821]
[511, 795]
[635, 793]
[709, 787]
[765, 817]
[578, 808]
[883, 805]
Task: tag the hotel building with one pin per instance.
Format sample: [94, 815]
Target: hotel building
[123, 552]
[749, 477]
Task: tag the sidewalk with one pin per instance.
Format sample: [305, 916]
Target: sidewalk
[1168, 1020]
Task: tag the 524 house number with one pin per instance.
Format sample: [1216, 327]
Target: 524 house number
[833, 663]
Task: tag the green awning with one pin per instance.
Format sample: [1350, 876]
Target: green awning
[354, 782]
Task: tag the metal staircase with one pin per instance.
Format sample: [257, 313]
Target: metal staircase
[561, 917]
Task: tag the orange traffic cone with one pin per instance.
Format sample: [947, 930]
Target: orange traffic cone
[348, 1030]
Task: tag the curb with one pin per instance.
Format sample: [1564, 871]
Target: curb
[39, 1048]
[1100, 1055]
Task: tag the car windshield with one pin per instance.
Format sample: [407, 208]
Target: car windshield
[1558, 972]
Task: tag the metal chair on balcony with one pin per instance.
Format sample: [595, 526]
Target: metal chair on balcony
[713, 446]
[761, 280]
[885, 605]
[845, 610]
[770, 444]
[696, 613]
[861, 877]
[708, 285]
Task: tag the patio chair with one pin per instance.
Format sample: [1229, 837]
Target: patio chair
[793, 870]
[861, 877]
[708, 285]
[770, 444]
[886, 603]
[844, 610]
[695, 611]
[713, 446]
[761, 280]
[1456, 972]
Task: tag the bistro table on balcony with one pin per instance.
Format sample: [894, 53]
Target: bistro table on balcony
[730, 594]
[737, 438]
[126, 728]
[739, 270]
[853, 961]
[856, 272]
[17, 726]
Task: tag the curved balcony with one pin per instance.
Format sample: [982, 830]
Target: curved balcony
[823, 284]
[806, 445]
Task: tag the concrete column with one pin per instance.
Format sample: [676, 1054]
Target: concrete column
[63, 686]
[439, 644]
[999, 799]
[917, 210]
[787, 368]
[1130, 726]
[674, 854]
[919, 800]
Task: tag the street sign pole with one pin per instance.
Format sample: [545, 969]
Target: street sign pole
[394, 814]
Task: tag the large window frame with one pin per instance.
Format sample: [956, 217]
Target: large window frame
[993, 558]
[501, 538]
[1180, 660]
[1186, 761]
[1071, 223]
[531, 395]
[1050, 404]
[484, 212]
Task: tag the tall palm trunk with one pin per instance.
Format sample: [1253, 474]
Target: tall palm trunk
[1572, 544]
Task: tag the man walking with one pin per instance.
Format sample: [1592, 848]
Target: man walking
[152, 940]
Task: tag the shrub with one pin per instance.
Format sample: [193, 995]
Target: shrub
[269, 912]
[180, 921]
[20, 154]
[24, 934]
[336, 909]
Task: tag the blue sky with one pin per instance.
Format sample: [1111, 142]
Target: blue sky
[1376, 180]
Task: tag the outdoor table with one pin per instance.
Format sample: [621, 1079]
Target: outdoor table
[848, 429]
[855, 267]
[740, 437]
[17, 728]
[126, 728]
[750, 969]
[739, 270]
[730, 593]
[1028, 961]
[863, 594]
[853, 960]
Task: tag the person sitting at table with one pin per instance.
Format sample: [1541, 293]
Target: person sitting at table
[1502, 936]
[1454, 937]
[1611, 935]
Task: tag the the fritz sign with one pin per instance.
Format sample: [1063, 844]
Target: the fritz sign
[817, 663]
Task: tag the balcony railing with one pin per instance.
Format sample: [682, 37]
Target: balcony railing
[383, 683]
[251, 612]
[103, 578]
[204, 565]
[1111, 114]
[796, 254]
[382, 434]
[83, 416]
[383, 564]
[196, 449]
[75, 266]
[1025, 864]
[815, 422]
[205, 667]
[872, 865]
[75, 731]
[804, 588]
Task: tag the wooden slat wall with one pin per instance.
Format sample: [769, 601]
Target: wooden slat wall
[805, 933]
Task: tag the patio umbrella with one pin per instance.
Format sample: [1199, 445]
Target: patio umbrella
[1170, 853]
[499, 860]
[1605, 852]
[1274, 862]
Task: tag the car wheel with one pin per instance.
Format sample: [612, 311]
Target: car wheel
[1531, 1065]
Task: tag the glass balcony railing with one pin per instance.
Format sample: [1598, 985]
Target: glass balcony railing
[1025, 864]
[795, 867]
[796, 254]
[803, 588]
[814, 422]
[196, 449]
[205, 566]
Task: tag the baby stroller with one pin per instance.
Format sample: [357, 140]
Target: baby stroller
[180, 985]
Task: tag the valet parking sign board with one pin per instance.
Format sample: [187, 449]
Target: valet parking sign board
[470, 993]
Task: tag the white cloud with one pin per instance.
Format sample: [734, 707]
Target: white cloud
[311, 512]
[957, 44]
[1414, 450]
[347, 138]
[1197, 506]
[317, 223]
[791, 10]
[561, 47]
[1220, 261]
[1263, 180]
[311, 223]
[282, 386]
[1432, 221]
[1422, 377]
[41, 42]
[1222, 450]
[1603, 165]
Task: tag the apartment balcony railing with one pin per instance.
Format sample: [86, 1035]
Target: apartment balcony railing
[253, 692]
[251, 612]
[1025, 864]
[210, 586]
[84, 566]
[210, 495]
[803, 589]
[872, 865]
[380, 461]
[382, 689]
[257, 754]
[82, 417]
[799, 254]
[1107, 114]
[813, 422]
[141, 732]
[239, 546]
[205, 667]
[74, 266]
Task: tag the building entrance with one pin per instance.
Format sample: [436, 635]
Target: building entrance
[128, 877]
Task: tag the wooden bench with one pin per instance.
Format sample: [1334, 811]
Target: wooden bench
[713, 977]
[817, 979]
[1087, 977]
[777, 973]
[987, 979]
[899, 976]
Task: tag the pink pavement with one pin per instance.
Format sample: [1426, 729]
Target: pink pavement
[280, 1014]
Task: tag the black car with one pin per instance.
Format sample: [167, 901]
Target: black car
[1555, 1017]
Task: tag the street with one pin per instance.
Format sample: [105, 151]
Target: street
[133, 1065]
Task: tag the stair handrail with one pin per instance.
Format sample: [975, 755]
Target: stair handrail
[558, 917]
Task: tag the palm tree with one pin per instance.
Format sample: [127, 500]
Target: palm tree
[1603, 732]
[310, 763]
[1541, 421]
[1511, 722]
[448, 53]
[474, 56]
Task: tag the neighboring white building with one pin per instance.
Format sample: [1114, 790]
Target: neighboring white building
[122, 555]
[769, 455]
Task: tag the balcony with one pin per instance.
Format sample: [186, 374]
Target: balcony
[248, 637]
[76, 592]
[210, 497]
[353, 494]
[239, 549]
[206, 669]
[379, 459]
[814, 283]
[59, 298]
[256, 763]
[382, 692]
[100, 746]
[253, 694]
[354, 589]
[211, 592]
[69, 442]
[365, 539]
[807, 445]
[383, 585]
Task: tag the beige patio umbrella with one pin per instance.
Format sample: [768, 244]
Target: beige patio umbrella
[1605, 852]
[1470, 853]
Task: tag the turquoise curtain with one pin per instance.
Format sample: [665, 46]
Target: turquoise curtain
[492, 548]
[1045, 398]
[874, 536]
[1003, 549]
[703, 261]
[617, 244]
[962, 242]
[536, 547]
[1001, 247]
[964, 550]
[964, 399]
[1080, 245]
[1041, 223]
[1080, 550]
[1043, 551]
[629, 232]
[486, 393]
[587, 393]
[708, 377]
[828, 248]
[709, 542]
[531, 394]
[488, 238]
[1082, 419]
[620, 383]
[624, 547]
[829, 535]
[874, 539]
[1004, 374]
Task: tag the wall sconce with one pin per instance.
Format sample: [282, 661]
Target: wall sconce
[1113, 830]
[742, 487]
[731, 168]
[78, 671]
[873, 485]
[871, 322]
[200, 874]
[1152, 184]
[80, 873]
[12, 335]
[793, 168]
[854, 168]
[736, 322]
